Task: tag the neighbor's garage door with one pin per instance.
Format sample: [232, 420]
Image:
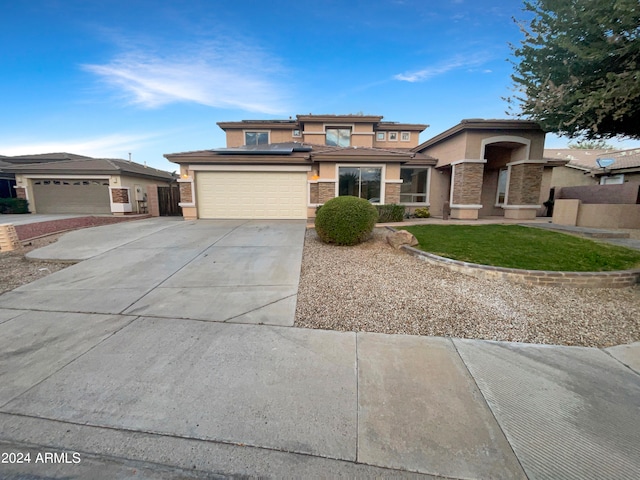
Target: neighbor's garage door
[71, 196]
[252, 195]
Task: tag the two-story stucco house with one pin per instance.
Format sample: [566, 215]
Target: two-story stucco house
[286, 168]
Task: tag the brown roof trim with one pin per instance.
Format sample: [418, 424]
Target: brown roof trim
[479, 124]
[338, 118]
[390, 126]
[208, 156]
[320, 153]
[260, 124]
[92, 166]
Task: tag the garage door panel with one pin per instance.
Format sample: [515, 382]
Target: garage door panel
[72, 196]
[277, 195]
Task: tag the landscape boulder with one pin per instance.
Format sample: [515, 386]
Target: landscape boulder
[401, 237]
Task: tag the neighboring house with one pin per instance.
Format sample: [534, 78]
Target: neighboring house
[583, 168]
[7, 180]
[79, 184]
[286, 168]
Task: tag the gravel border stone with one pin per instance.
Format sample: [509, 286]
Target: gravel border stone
[372, 287]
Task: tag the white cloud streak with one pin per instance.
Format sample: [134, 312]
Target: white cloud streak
[440, 69]
[221, 75]
[108, 146]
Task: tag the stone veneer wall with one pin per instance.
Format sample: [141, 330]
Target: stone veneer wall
[392, 193]
[120, 195]
[524, 184]
[185, 192]
[326, 191]
[314, 193]
[467, 183]
[21, 192]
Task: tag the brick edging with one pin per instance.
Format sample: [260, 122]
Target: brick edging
[614, 279]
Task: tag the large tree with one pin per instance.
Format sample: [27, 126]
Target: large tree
[577, 69]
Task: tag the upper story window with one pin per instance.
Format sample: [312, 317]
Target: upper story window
[256, 138]
[393, 136]
[405, 136]
[381, 136]
[338, 137]
[296, 132]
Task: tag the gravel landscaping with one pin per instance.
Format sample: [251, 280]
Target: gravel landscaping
[16, 270]
[374, 288]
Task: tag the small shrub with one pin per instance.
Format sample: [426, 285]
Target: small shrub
[14, 205]
[390, 213]
[422, 212]
[346, 220]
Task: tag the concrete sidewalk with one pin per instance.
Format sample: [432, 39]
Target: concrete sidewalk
[620, 237]
[139, 392]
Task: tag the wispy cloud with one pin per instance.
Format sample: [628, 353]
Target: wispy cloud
[108, 146]
[217, 74]
[441, 68]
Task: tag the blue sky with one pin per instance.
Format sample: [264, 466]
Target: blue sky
[105, 78]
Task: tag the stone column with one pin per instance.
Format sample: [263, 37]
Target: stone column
[120, 200]
[188, 198]
[466, 188]
[326, 191]
[523, 193]
[392, 192]
[21, 192]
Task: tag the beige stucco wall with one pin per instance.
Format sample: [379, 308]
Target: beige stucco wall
[449, 151]
[608, 216]
[392, 171]
[327, 171]
[438, 191]
[475, 138]
[571, 177]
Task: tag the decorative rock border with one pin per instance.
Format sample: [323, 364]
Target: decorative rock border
[615, 279]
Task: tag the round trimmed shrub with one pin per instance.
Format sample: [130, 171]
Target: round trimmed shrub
[346, 220]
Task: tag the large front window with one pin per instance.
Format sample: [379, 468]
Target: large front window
[338, 137]
[363, 182]
[256, 138]
[414, 185]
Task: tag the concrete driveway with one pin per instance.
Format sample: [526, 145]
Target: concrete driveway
[224, 270]
[147, 361]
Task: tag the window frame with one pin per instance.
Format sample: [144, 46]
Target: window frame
[268, 132]
[427, 186]
[383, 174]
[299, 133]
[381, 134]
[338, 128]
[393, 137]
[402, 135]
[617, 179]
[507, 171]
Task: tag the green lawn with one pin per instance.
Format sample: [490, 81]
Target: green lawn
[514, 246]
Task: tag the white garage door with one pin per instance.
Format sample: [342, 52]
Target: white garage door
[278, 195]
[71, 196]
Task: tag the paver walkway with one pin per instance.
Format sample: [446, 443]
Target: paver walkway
[142, 392]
